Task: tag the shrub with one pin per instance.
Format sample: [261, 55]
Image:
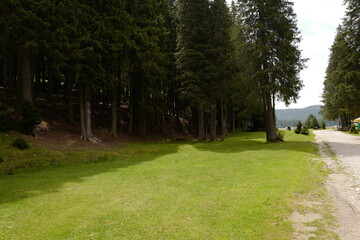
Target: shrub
[305, 131]
[312, 122]
[323, 124]
[298, 128]
[30, 118]
[21, 144]
[280, 134]
[1, 160]
[354, 130]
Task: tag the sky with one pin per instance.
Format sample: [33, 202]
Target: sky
[317, 21]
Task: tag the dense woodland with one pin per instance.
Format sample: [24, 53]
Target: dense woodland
[195, 66]
[342, 85]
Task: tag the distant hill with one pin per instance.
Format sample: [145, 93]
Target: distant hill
[289, 117]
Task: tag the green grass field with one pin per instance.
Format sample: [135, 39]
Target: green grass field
[242, 188]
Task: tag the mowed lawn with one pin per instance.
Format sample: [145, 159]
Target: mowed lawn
[243, 188]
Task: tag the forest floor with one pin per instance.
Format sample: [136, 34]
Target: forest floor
[243, 188]
[341, 152]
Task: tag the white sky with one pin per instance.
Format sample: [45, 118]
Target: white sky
[317, 21]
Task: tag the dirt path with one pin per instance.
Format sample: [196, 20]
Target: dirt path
[341, 153]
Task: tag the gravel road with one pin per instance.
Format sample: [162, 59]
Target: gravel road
[344, 182]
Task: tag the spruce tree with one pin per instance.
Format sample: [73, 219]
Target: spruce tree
[192, 60]
[273, 38]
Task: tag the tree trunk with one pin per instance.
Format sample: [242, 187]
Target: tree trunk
[4, 82]
[273, 109]
[37, 73]
[163, 123]
[87, 101]
[70, 98]
[82, 112]
[9, 66]
[25, 77]
[113, 131]
[201, 128]
[142, 114]
[131, 116]
[85, 114]
[50, 86]
[223, 124]
[233, 121]
[213, 123]
[271, 135]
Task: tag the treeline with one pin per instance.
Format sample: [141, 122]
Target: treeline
[293, 123]
[342, 84]
[167, 64]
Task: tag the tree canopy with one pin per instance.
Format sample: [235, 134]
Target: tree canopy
[196, 67]
[342, 85]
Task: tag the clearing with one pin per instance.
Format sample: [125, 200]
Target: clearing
[243, 188]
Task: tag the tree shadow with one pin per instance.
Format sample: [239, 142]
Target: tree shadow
[52, 179]
[238, 146]
[30, 183]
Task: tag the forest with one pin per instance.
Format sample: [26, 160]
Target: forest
[192, 66]
[342, 85]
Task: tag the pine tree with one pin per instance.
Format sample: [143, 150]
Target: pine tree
[342, 85]
[221, 50]
[192, 59]
[272, 35]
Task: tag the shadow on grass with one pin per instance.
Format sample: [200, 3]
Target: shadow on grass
[30, 183]
[255, 142]
[46, 180]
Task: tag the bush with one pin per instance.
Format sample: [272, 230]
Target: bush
[298, 128]
[312, 122]
[21, 144]
[354, 130]
[30, 118]
[323, 124]
[305, 131]
[280, 134]
[1, 160]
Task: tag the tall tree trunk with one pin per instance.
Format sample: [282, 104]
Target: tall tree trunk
[9, 66]
[85, 114]
[273, 108]
[4, 81]
[131, 116]
[87, 101]
[37, 74]
[271, 135]
[50, 86]
[223, 123]
[82, 111]
[163, 123]
[201, 128]
[213, 123]
[25, 77]
[69, 81]
[113, 131]
[233, 121]
[142, 117]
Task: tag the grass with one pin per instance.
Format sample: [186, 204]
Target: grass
[242, 188]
